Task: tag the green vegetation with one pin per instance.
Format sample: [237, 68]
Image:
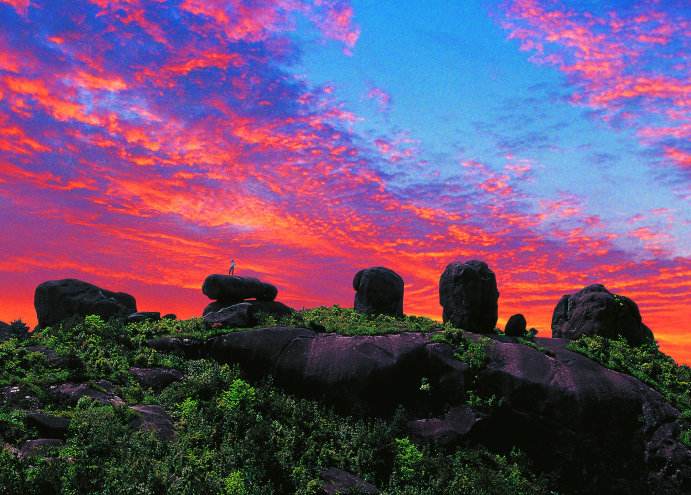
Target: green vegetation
[347, 321]
[646, 363]
[232, 437]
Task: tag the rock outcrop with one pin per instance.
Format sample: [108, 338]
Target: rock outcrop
[233, 289]
[241, 315]
[47, 425]
[153, 418]
[596, 311]
[229, 290]
[156, 378]
[58, 300]
[379, 290]
[339, 482]
[468, 293]
[567, 412]
[516, 326]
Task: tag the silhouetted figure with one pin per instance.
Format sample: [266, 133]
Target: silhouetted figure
[232, 267]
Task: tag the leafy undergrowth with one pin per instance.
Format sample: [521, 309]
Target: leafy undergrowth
[233, 437]
[648, 364]
[347, 321]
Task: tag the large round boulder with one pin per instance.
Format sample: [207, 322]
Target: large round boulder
[516, 326]
[232, 289]
[596, 311]
[468, 293]
[58, 300]
[379, 290]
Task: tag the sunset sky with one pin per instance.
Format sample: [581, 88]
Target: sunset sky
[143, 143]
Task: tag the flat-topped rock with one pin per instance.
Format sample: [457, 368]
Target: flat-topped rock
[58, 300]
[230, 288]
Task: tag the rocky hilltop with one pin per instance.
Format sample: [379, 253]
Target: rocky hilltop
[456, 402]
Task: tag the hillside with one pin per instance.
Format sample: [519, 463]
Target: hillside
[155, 407]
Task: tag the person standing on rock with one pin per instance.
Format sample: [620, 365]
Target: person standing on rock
[232, 267]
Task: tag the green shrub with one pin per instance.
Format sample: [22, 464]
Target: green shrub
[408, 459]
[347, 321]
[240, 392]
[644, 362]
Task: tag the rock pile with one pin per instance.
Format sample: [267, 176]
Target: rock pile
[596, 311]
[379, 290]
[238, 301]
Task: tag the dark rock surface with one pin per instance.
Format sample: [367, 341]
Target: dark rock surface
[156, 378]
[567, 412]
[153, 418]
[230, 288]
[339, 482]
[70, 393]
[47, 425]
[18, 397]
[367, 373]
[459, 422]
[272, 308]
[33, 448]
[596, 311]
[379, 290]
[239, 315]
[189, 348]
[55, 360]
[58, 300]
[468, 294]
[141, 316]
[516, 326]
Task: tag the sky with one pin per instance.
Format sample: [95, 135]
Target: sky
[145, 143]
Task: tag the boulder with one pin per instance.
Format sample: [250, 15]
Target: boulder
[229, 288]
[143, 316]
[516, 326]
[47, 425]
[339, 482]
[379, 290]
[70, 393]
[364, 374]
[468, 293]
[18, 397]
[153, 418]
[34, 448]
[58, 300]
[272, 308]
[596, 311]
[188, 347]
[55, 360]
[459, 423]
[156, 378]
[237, 316]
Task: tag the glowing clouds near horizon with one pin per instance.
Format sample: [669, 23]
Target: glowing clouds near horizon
[143, 144]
